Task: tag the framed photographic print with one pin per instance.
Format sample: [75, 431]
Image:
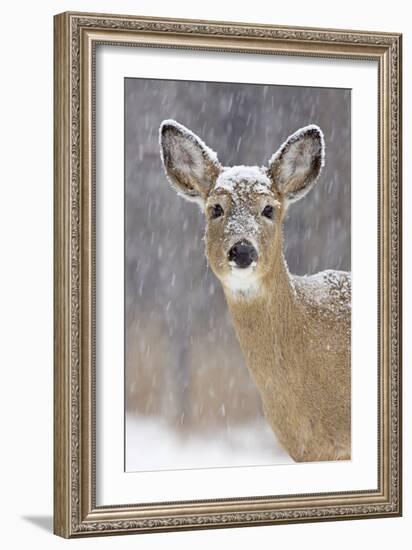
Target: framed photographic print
[227, 274]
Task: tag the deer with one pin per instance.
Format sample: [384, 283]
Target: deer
[294, 331]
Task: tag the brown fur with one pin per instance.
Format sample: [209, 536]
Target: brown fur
[298, 354]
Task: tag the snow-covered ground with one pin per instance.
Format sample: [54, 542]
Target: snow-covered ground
[152, 445]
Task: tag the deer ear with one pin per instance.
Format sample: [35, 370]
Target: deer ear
[191, 166]
[295, 167]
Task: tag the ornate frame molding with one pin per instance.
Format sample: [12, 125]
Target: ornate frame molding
[75, 38]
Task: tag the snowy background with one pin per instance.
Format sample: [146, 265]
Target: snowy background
[190, 402]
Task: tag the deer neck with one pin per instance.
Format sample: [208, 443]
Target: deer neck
[263, 317]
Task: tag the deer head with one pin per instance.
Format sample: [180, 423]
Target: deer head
[244, 205]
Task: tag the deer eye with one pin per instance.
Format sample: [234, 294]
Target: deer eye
[268, 212]
[216, 211]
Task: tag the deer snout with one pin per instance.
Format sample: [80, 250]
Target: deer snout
[243, 254]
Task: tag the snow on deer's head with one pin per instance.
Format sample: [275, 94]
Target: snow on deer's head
[244, 205]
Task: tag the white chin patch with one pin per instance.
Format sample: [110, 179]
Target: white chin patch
[242, 280]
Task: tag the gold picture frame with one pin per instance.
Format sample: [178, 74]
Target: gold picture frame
[75, 38]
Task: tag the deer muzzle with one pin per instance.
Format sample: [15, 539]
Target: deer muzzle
[242, 254]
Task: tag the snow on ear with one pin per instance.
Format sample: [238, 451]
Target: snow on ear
[295, 167]
[191, 166]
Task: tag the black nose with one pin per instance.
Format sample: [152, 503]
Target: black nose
[243, 253]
